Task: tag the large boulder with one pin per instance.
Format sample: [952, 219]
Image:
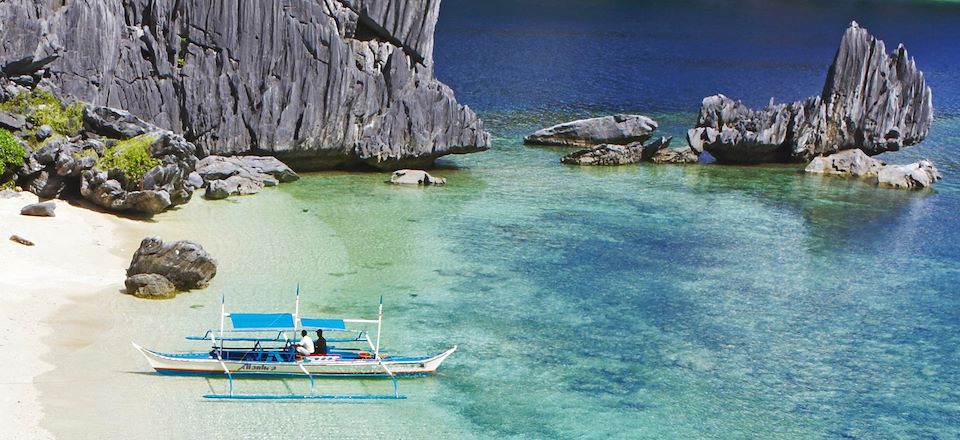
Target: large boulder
[151, 286]
[872, 100]
[617, 129]
[183, 263]
[346, 83]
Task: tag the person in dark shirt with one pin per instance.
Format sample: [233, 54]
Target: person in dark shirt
[321, 346]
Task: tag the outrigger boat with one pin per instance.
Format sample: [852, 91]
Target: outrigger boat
[275, 355]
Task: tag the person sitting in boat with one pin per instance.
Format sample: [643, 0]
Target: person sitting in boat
[305, 346]
[321, 345]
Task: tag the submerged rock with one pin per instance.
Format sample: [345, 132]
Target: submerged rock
[45, 209]
[415, 177]
[872, 100]
[183, 263]
[617, 129]
[346, 83]
[151, 286]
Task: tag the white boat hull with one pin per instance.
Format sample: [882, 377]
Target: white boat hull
[203, 364]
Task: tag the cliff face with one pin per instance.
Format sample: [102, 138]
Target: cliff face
[319, 84]
[871, 100]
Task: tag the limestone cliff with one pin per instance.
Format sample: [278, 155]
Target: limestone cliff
[317, 83]
[871, 100]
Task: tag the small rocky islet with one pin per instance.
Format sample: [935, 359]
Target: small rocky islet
[872, 102]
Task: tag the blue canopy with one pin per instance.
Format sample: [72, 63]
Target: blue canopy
[262, 321]
[323, 324]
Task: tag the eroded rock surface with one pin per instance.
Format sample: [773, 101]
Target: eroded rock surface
[150, 285]
[871, 100]
[184, 263]
[856, 163]
[318, 84]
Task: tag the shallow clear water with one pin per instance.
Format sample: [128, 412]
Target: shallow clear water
[633, 302]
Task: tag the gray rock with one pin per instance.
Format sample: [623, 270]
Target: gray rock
[415, 177]
[856, 163]
[680, 155]
[347, 83]
[12, 121]
[114, 123]
[916, 175]
[872, 100]
[161, 188]
[25, 80]
[45, 184]
[97, 187]
[616, 129]
[217, 190]
[846, 163]
[7, 194]
[150, 286]
[43, 132]
[183, 263]
[656, 151]
[606, 154]
[45, 209]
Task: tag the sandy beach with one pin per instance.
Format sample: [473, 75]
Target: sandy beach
[79, 253]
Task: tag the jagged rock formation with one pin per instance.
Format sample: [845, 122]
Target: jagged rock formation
[183, 263]
[871, 100]
[151, 286]
[616, 129]
[856, 163]
[319, 84]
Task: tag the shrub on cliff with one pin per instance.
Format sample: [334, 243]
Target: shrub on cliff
[131, 156]
[43, 108]
[11, 152]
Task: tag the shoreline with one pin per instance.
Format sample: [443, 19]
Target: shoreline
[78, 255]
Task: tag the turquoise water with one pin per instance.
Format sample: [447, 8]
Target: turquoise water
[643, 301]
[634, 302]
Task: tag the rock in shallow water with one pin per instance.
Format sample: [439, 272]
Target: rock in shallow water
[151, 286]
[871, 100]
[184, 263]
[856, 163]
[415, 177]
[617, 129]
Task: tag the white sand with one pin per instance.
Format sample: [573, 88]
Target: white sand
[79, 252]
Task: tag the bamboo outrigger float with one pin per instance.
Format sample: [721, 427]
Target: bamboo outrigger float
[276, 355]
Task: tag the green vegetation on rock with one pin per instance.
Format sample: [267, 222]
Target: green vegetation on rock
[11, 151]
[43, 108]
[131, 156]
